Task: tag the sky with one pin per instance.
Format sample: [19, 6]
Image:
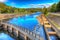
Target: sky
[29, 3]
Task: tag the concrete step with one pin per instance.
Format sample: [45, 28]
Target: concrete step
[46, 22]
[52, 33]
[47, 26]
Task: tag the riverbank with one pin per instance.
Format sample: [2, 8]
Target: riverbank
[6, 16]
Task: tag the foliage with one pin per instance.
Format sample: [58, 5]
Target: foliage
[55, 7]
[58, 7]
[8, 9]
[45, 11]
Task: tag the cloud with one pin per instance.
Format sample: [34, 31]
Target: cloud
[40, 5]
[3, 0]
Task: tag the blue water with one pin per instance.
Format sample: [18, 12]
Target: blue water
[49, 30]
[29, 22]
[40, 31]
[52, 37]
[4, 36]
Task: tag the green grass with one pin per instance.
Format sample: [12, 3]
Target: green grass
[47, 14]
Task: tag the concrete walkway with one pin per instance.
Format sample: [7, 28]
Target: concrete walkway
[57, 31]
[57, 14]
[55, 18]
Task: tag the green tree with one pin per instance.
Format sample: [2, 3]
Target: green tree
[53, 8]
[58, 6]
[8, 9]
[45, 11]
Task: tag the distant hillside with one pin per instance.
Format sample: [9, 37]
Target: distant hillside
[8, 9]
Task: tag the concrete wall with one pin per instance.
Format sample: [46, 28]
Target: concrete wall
[14, 31]
[18, 31]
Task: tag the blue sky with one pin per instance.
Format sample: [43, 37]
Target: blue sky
[29, 3]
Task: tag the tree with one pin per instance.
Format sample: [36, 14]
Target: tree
[53, 8]
[8, 9]
[45, 11]
[58, 6]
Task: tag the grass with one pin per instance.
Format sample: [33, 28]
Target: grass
[47, 14]
[56, 25]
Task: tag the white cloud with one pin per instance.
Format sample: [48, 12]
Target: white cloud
[3, 0]
[40, 5]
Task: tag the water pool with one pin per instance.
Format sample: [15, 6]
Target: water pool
[4, 36]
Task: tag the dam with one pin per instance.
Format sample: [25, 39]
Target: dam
[28, 27]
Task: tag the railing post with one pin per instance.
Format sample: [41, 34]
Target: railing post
[34, 35]
[17, 33]
[28, 31]
[5, 27]
[25, 37]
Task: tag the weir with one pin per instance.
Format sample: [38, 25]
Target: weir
[18, 31]
[42, 30]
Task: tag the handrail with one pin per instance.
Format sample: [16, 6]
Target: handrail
[25, 30]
